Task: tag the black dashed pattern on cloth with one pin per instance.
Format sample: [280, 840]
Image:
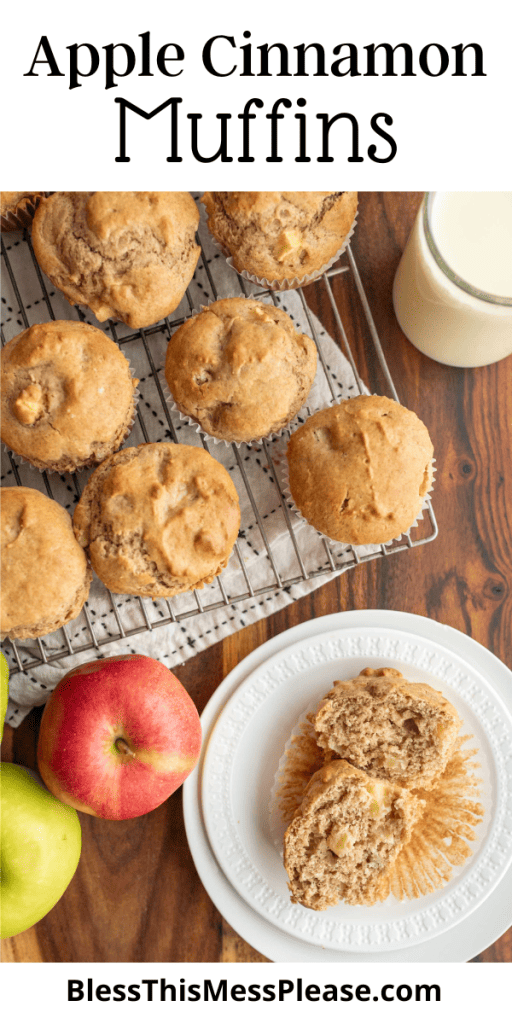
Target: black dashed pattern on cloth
[175, 642]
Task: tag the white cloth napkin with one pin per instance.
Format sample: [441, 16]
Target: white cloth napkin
[174, 643]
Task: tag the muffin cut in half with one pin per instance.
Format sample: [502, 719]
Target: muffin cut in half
[392, 729]
[348, 831]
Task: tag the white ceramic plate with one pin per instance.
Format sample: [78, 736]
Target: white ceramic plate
[248, 739]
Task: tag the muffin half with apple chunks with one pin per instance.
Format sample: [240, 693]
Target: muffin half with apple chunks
[346, 834]
[395, 730]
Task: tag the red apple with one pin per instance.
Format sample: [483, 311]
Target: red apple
[118, 736]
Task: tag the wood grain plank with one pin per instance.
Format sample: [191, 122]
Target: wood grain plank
[236, 951]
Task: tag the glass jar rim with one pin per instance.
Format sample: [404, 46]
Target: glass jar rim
[477, 293]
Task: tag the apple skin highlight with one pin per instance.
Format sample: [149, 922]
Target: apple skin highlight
[118, 736]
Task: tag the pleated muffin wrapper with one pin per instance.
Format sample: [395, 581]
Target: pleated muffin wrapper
[285, 283]
[22, 461]
[23, 214]
[440, 839]
[189, 421]
[290, 501]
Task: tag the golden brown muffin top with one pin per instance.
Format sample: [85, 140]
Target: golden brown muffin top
[158, 519]
[66, 395]
[127, 255]
[280, 235]
[240, 369]
[44, 569]
[359, 470]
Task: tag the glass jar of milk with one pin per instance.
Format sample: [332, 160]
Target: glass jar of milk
[453, 288]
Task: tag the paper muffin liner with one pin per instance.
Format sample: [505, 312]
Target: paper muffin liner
[440, 839]
[300, 759]
[22, 215]
[284, 284]
[20, 460]
[189, 421]
[290, 501]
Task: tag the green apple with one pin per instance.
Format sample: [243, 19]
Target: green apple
[4, 691]
[40, 849]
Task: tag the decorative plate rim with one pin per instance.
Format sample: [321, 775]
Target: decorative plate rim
[463, 895]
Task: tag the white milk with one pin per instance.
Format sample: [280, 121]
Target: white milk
[439, 283]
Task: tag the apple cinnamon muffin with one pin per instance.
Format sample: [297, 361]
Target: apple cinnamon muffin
[45, 575]
[126, 255]
[67, 395]
[240, 369]
[390, 728]
[17, 209]
[158, 520]
[279, 236]
[346, 834]
[359, 470]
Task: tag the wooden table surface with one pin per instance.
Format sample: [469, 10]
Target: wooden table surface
[136, 883]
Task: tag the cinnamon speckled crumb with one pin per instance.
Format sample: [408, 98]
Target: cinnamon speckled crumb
[439, 840]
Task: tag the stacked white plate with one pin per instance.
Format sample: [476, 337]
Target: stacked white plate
[246, 725]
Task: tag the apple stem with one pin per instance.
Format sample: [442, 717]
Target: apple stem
[122, 746]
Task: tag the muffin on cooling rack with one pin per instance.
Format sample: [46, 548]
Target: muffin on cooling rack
[67, 395]
[45, 575]
[158, 520]
[390, 728]
[348, 831]
[17, 209]
[240, 369]
[359, 471]
[126, 255]
[281, 237]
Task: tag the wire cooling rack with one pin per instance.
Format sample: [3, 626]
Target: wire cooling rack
[269, 526]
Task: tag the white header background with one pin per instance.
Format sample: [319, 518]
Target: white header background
[451, 132]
